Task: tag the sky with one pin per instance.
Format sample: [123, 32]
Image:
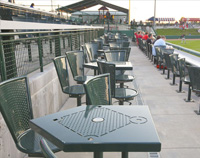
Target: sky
[140, 9]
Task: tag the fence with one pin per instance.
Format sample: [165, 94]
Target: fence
[23, 53]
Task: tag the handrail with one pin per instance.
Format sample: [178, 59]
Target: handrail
[193, 52]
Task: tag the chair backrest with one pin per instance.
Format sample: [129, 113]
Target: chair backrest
[76, 61]
[182, 68]
[15, 106]
[116, 55]
[125, 44]
[169, 51]
[167, 61]
[105, 67]
[62, 71]
[127, 49]
[194, 74]
[98, 90]
[86, 58]
[92, 48]
[47, 152]
[158, 53]
[114, 44]
[174, 62]
[100, 43]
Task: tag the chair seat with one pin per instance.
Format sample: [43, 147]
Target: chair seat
[30, 141]
[82, 79]
[125, 93]
[124, 78]
[75, 90]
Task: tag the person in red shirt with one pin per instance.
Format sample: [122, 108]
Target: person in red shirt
[139, 36]
[145, 37]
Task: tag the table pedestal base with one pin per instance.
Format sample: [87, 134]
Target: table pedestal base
[98, 155]
[124, 154]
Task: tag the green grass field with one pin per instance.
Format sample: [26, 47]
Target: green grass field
[191, 44]
[177, 32]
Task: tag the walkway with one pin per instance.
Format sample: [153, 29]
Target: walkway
[177, 124]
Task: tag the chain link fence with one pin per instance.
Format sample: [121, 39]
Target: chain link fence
[23, 53]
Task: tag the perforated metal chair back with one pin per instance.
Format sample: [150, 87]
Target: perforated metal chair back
[114, 44]
[86, 58]
[15, 106]
[125, 44]
[105, 67]
[182, 68]
[167, 61]
[62, 71]
[169, 51]
[194, 74]
[174, 62]
[16, 109]
[127, 49]
[47, 152]
[98, 90]
[92, 49]
[76, 61]
[100, 43]
[116, 55]
[159, 54]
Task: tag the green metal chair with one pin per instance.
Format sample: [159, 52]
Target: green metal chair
[47, 152]
[175, 70]
[184, 77]
[74, 91]
[114, 44]
[168, 64]
[121, 94]
[167, 51]
[92, 51]
[125, 44]
[194, 74]
[127, 49]
[119, 55]
[98, 90]
[116, 55]
[159, 57]
[16, 109]
[100, 42]
[76, 61]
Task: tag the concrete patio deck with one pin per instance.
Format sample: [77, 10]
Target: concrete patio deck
[177, 124]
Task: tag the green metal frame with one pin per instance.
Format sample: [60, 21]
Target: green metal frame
[39, 47]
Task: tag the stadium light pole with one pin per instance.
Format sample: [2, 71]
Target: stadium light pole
[154, 20]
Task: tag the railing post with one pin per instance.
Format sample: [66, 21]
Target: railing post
[2, 62]
[50, 46]
[71, 41]
[40, 53]
[63, 42]
[79, 39]
[29, 51]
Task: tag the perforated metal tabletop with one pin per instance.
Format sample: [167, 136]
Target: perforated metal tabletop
[100, 129]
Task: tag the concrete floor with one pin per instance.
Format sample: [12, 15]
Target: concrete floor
[177, 124]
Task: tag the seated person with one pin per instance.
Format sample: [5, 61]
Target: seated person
[138, 36]
[150, 39]
[145, 37]
[158, 43]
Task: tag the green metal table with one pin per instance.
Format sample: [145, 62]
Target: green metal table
[100, 129]
[120, 65]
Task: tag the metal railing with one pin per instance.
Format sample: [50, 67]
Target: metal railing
[23, 53]
[190, 51]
